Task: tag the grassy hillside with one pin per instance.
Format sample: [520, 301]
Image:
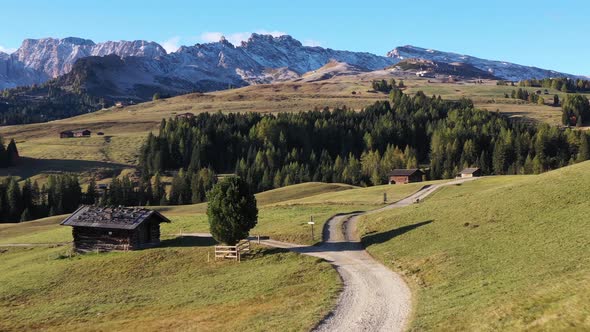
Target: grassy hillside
[125, 128]
[172, 287]
[500, 253]
[286, 223]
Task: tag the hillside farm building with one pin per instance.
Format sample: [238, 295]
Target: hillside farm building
[82, 133]
[470, 173]
[403, 176]
[75, 133]
[66, 134]
[114, 229]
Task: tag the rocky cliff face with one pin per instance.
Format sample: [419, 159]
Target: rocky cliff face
[501, 69]
[136, 68]
[213, 66]
[14, 73]
[55, 57]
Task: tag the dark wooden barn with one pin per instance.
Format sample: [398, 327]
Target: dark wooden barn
[402, 176]
[107, 229]
[82, 133]
[66, 134]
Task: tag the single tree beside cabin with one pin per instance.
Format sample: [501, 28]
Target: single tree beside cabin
[231, 210]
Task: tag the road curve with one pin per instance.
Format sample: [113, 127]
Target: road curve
[374, 298]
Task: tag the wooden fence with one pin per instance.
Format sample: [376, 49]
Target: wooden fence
[233, 252]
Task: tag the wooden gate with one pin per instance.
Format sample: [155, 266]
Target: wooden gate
[233, 252]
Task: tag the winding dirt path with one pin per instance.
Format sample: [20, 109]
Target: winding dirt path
[374, 298]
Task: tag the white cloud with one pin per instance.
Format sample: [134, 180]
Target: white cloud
[236, 37]
[171, 44]
[211, 37]
[7, 49]
[311, 42]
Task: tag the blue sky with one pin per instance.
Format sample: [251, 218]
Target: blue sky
[547, 34]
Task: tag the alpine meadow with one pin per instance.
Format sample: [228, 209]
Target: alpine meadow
[246, 166]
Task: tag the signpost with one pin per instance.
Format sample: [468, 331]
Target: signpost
[311, 222]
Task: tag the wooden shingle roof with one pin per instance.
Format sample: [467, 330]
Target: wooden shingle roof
[405, 172]
[110, 217]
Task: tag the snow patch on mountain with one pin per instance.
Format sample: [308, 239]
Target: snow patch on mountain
[501, 69]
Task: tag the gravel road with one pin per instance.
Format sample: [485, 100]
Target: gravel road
[374, 298]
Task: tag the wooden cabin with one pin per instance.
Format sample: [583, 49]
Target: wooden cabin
[66, 134]
[403, 176]
[471, 172]
[82, 133]
[101, 229]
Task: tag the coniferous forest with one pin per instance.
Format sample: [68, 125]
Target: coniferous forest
[360, 148]
[342, 145]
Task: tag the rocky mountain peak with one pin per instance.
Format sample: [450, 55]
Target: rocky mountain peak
[55, 57]
[78, 41]
[261, 39]
[501, 69]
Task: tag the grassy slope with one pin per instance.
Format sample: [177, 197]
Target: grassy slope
[173, 286]
[126, 128]
[501, 253]
[170, 287]
[166, 288]
[283, 222]
[283, 213]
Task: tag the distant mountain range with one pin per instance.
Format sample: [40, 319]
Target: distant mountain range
[137, 69]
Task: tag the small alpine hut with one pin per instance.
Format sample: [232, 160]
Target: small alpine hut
[403, 176]
[103, 229]
[471, 172]
[82, 133]
[66, 134]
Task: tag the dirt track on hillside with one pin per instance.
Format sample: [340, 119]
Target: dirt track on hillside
[374, 298]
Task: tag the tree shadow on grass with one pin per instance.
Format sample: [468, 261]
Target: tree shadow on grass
[188, 241]
[386, 236]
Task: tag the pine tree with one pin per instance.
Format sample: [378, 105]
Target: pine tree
[26, 215]
[91, 192]
[13, 197]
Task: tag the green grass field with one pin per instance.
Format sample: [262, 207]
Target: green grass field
[497, 254]
[172, 287]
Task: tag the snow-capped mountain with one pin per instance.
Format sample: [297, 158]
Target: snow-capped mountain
[504, 70]
[38, 60]
[135, 69]
[212, 66]
[55, 57]
[285, 51]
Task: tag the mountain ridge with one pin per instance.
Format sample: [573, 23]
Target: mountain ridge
[146, 67]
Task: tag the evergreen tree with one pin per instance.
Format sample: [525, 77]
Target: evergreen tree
[13, 197]
[91, 194]
[231, 210]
